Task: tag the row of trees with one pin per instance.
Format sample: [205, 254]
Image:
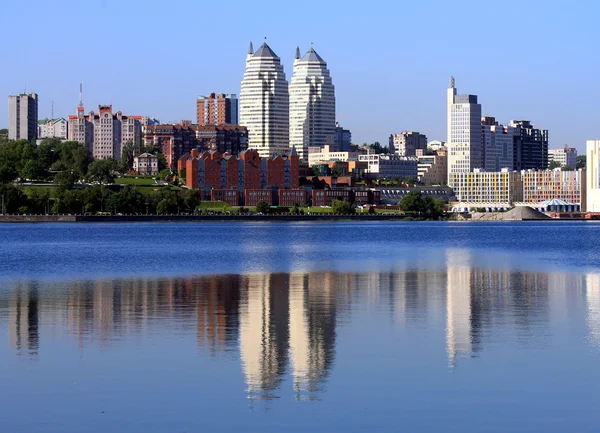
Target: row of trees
[98, 199]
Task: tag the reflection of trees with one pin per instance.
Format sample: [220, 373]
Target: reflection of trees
[24, 319]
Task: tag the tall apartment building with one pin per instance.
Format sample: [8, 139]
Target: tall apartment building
[565, 156]
[264, 103]
[23, 116]
[464, 140]
[483, 187]
[217, 109]
[407, 143]
[592, 169]
[105, 132]
[498, 143]
[312, 104]
[343, 139]
[530, 148]
[52, 128]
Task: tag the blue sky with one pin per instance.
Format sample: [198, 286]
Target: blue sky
[390, 61]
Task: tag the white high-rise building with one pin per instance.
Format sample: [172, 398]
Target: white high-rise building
[592, 169]
[312, 104]
[264, 103]
[464, 142]
[23, 116]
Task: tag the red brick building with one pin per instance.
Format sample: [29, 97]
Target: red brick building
[289, 197]
[217, 109]
[253, 196]
[229, 196]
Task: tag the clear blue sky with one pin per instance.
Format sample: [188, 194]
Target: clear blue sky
[390, 61]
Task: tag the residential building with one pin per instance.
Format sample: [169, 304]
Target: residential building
[212, 169]
[264, 103]
[105, 132]
[327, 153]
[544, 185]
[217, 109]
[52, 128]
[173, 140]
[232, 139]
[312, 104]
[487, 188]
[432, 169]
[23, 117]
[407, 143]
[393, 195]
[464, 142]
[343, 139]
[497, 145]
[565, 156]
[530, 146]
[390, 166]
[592, 169]
[145, 164]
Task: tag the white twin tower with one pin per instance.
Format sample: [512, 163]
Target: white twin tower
[279, 116]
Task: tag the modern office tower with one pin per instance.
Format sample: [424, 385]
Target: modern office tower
[530, 148]
[312, 104]
[464, 142]
[264, 103]
[592, 169]
[105, 132]
[23, 116]
[406, 143]
[343, 139]
[565, 156]
[497, 145]
[52, 128]
[217, 109]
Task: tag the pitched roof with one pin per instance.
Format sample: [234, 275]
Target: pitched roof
[312, 56]
[265, 51]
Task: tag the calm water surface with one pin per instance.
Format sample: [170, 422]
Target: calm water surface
[256, 327]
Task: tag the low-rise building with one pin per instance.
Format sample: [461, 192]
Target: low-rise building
[145, 164]
[290, 197]
[52, 128]
[253, 196]
[432, 169]
[565, 156]
[545, 185]
[326, 153]
[229, 196]
[390, 166]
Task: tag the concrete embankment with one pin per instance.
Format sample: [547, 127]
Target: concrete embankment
[188, 218]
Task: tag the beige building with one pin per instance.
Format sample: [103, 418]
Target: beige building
[432, 169]
[407, 143]
[105, 132]
[52, 128]
[592, 154]
[145, 163]
[565, 156]
[23, 117]
[326, 153]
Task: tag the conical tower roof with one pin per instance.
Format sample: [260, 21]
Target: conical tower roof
[312, 56]
[265, 51]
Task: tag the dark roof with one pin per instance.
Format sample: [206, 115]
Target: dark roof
[312, 56]
[265, 51]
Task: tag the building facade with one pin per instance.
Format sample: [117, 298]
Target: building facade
[23, 117]
[343, 139]
[105, 132]
[592, 169]
[217, 109]
[407, 143]
[231, 139]
[498, 143]
[464, 140]
[565, 156]
[390, 166]
[145, 164]
[52, 128]
[327, 153]
[482, 187]
[530, 148]
[433, 169]
[545, 185]
[312, 104]
[264, 103]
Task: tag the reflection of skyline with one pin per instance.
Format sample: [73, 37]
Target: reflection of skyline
[285, 326]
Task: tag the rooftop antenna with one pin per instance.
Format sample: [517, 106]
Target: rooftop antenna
[80, 94]
[52, 112]
[452, 83]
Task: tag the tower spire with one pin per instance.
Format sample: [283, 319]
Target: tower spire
[297, 53]
[80, 94]
[452, 83]
[251, 49]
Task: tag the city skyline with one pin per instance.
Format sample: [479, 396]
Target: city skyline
[555, 60]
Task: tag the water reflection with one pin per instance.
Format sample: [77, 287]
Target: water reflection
[283, 326]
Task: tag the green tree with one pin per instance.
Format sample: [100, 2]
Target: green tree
[65, 179]
[581, 161]
[337, 170]
[342, 207]
[102, 171]
[262, 207]
[554, 164]
[162, 208]
[415, 203]
[127, 155]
